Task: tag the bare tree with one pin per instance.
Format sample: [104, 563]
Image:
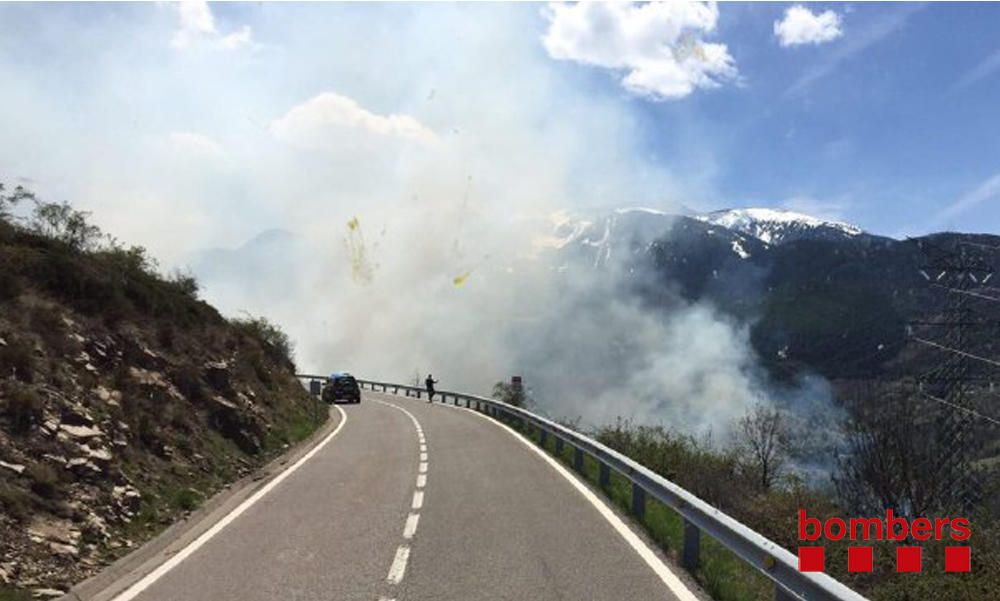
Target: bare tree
[896, 446]
[762, 441]
[9, 200]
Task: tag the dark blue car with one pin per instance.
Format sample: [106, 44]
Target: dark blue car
[341, 386]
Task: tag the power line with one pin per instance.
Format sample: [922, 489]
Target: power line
[957, 351]
[968, 293]
[972, 412]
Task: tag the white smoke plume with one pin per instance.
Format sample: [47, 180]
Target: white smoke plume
[446, 132]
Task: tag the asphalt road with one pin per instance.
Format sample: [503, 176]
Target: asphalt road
[411, 501]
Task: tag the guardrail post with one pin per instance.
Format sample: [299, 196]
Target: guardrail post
[638, 500]
[418, 394]
[467, 402]
[578, 460]
[544, 439]
[604, 479]
[692, 546]
[559, 446]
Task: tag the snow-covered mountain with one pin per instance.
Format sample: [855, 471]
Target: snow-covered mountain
[742, 232]
[776, 226]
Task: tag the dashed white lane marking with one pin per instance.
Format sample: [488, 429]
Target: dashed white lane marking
[411, 525]
[398, 568]
[147, 581]
[666, 575]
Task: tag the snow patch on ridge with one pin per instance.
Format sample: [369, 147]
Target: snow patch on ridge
[772, 226]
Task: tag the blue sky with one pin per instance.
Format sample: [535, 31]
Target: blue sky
[158, 119]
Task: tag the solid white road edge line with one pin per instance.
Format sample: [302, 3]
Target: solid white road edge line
[666, 575]
[156, 574]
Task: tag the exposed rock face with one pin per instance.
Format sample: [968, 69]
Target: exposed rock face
[238, 424]
[218, 376]
[14, 467]
[110, 433]
[80, 432]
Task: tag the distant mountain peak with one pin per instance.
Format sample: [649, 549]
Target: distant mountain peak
[776, 226]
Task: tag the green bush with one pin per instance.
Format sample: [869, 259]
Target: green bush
[45, 480]
[10, 286]
[8, 593]
[15, 502]
[271, 338]
[187, 499]
[16, 359]
[23, 408]
[512, 395]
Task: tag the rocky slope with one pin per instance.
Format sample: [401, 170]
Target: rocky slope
[124, 403]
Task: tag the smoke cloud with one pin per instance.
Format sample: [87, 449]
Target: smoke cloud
[399, 177]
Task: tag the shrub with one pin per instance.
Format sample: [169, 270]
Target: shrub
[187, 499]
[274, 341]
[24, 409]
[48, 324]
[15, 502]
[60, 221]
[45, 481]
[512, 395]
[184, 283]
[9, 200]
[10, 285]
[188, 381]
[16, 360]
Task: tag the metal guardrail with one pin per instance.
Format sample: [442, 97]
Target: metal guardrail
[767, 557]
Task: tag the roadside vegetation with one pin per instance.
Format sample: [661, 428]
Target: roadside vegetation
[126, 401]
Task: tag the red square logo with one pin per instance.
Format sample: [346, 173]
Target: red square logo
[812, 559]
[909, 559]
[859, 559]
[958, 559]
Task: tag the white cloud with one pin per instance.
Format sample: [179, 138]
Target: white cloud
[194, 145]
[802, 26]
[988, 190]
[237, 39]
[988, 66]
[871, 32]
[658, 44]
[198, 24]
[318, 120]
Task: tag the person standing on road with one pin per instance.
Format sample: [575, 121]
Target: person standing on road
[430, 382]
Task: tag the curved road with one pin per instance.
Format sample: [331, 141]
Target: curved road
[416, 502]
